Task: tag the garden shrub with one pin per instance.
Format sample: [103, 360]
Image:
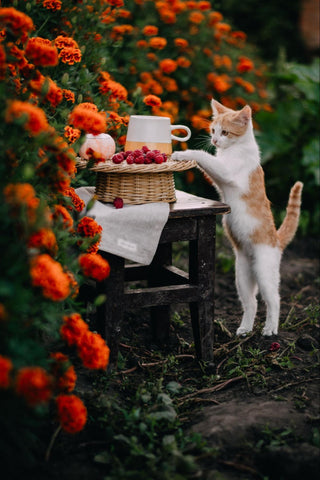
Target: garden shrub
[289, 139]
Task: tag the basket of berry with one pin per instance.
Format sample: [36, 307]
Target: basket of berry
[139, 176]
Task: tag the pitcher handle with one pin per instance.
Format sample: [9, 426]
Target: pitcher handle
[181, 127]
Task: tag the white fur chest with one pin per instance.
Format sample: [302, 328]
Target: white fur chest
[239, 220]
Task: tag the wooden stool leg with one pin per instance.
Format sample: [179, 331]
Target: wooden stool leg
[160, 315]
[110, 313]
[202, 272]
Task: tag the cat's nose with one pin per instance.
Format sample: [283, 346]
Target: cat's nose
[214, 142]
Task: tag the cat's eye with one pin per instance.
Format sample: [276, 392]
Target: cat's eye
[224, 133]
[212, 130]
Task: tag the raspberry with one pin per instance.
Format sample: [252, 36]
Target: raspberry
[139, 159]
[117, 158]
[118, 202]
[127, 153]
[137, 153]
[130, 159]
[158, 158]
[145, 149]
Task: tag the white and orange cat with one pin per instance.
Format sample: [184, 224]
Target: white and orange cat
[236, 172]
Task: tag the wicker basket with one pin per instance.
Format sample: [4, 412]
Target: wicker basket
[137, 184]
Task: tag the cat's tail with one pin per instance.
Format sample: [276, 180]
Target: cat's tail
[291, 221]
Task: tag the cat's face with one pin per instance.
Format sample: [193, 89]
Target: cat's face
[228, 126]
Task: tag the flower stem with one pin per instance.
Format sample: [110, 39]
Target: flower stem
[53, 438]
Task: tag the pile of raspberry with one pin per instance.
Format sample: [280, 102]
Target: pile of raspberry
[141, 156]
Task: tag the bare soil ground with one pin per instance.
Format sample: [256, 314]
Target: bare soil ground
[258, 409]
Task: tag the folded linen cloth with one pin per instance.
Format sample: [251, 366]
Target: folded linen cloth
[131, 232]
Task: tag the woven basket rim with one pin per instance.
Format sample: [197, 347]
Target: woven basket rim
[168, 166]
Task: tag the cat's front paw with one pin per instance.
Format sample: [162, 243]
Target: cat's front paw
[243, 331]
[269, 330]
[181, 156]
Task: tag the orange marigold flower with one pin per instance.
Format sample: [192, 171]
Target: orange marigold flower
[167, 65]
[239, 35]
[71, 412]
[88, 119]
[72, 134]
[73, 328]
[74, 286]
[248, 87]
[181, 43]
[215, 17]
[67, 381]
[5, 369]
[35, 118]
[94, 266]
[158, 43]
[223, 27]
[70, 55]
[152, 101]
[183, 62]
[196, 17]
[17, 22]
[34, 384]
[61, 213]
[44, 238]
[53, 5]
[48, 274]
[119, 30]
[41, 83]
[77, 202]
[64, 373]
[167, 16]
[55, 94]
[114, 89]
[88, 227]
[41, 52]
[20, 193]
[203, 5]
[142, 44]
[93, 351]
[62, 42]
[3, 312]
[124, 13]
[19, 57]
[244, 65]
[68, 95]
[221, 83]
[66, 160]
[116, 3]
[150, 30]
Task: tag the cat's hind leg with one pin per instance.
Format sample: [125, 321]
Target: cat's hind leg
[267, 269]
[247, 291]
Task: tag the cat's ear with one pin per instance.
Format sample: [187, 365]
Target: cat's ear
[244, 115]
[217, 107]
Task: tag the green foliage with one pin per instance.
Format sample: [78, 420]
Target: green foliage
[145, 438]
[289, 139]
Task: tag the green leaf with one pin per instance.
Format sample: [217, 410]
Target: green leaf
[310, 159]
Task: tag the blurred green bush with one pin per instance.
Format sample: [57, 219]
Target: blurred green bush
[289, 139]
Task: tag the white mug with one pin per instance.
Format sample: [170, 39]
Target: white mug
[154, 132]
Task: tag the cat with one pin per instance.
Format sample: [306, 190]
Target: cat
[236, 172]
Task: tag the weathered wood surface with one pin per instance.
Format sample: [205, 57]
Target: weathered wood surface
[191, 219]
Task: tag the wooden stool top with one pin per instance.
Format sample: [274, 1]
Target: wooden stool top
[188, 205]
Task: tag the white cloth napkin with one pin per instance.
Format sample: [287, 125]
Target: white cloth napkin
[131, 232]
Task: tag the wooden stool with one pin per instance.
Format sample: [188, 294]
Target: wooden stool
[191, 219]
